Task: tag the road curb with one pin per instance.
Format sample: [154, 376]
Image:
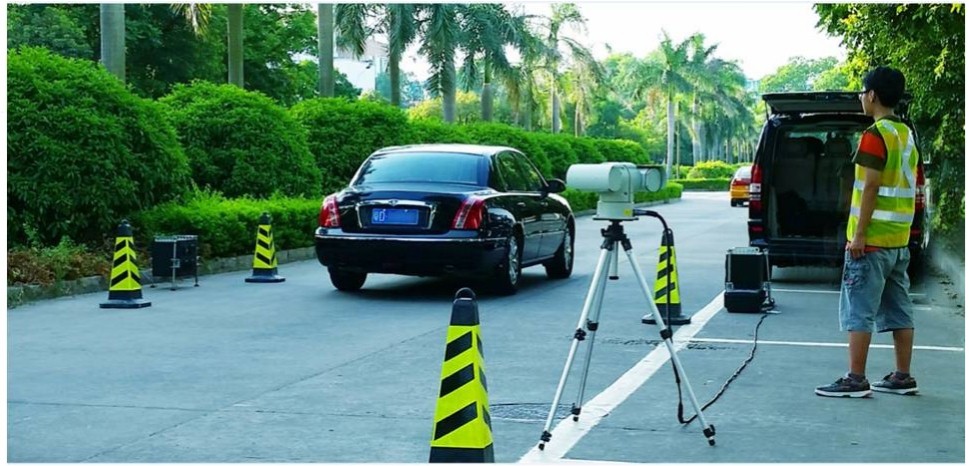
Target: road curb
[950, 265]
[19, 295]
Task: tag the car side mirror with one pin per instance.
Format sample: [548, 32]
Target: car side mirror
[555, 185]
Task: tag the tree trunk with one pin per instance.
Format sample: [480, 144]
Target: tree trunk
[578, 120]
[325, 41]
[393, 68]
[487, 105]
[112, 39]
[670, 116]
[528, 109]
[449, 93]
[697, 144]
[556, 120]
[235, 45]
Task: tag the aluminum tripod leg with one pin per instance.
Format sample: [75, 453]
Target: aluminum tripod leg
[592, 324]
[664, 332]
[600, 272]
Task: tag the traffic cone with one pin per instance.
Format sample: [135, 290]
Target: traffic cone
[462, 423]
[264, 260]
[125, 289]
[667, 289]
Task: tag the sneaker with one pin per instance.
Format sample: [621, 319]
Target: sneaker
[893, 384]
[845, 387]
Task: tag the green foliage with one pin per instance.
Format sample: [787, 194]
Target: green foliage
[342, 134]
[559, 152]
[242, 143]
[683, 171]
[432, 132]
[412, 91]
[711, 169]
[585, 150]
[797, 75]
[582, 201]
[83, 152]
[227, 227]
[705, 184]
[617, 150]
[927, 43]
[46, 26]
[305, 77]
[497, 134]
[46, 265]
[468, 109]
[670, 191]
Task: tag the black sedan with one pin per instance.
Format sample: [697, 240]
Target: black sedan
[442, 209]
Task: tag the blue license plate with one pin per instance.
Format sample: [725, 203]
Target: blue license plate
[382, 216]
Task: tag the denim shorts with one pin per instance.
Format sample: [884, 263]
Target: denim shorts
[874, 292]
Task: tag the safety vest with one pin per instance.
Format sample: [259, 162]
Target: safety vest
[891, 220]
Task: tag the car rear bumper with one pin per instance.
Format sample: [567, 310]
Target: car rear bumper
[422, 256]
[740, 194]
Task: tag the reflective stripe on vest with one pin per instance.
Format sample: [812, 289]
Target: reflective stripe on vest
[886, 215]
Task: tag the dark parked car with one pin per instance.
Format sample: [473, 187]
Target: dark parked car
[801, 182]
[442, 209]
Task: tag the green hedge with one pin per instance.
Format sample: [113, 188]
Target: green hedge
[83, 152]
[712, 169]
[706, 184]
[227, 227]
[342, 134]
[497, 134]
[242, 143]
[580, 201]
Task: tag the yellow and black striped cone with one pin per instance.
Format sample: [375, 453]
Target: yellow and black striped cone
[125, 289]
[462, 422]
[264, 260]
[667, 289]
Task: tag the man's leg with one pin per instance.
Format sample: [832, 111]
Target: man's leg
[858, 344]
[904, 340]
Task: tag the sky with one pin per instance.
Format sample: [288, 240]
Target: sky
[760, 36]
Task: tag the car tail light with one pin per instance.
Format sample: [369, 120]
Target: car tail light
[471, 214]
[739, 182]
[920, 189]
[329, 212]
[755, 183]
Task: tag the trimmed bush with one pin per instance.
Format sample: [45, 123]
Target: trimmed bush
[559, 152]
[227, 227]
[705, 184]
[497, 134]
[585, 150]
[711, 169]
[618, 150]
[683, 171]
[432, 132]
[241, 143]
[82, 151]
[342, 134]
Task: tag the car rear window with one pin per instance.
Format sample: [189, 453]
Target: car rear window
[423, 167]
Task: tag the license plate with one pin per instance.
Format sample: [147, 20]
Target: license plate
[383, 216]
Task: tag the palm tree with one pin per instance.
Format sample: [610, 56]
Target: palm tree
[235, 45]
[440, 40]
[665, 73]
[564, 14]
[399, 21]
[112, 39]
[703, 81]
[197, 15]
[324, 41]
[488, 29]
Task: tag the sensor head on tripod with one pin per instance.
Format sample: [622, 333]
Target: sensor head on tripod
[617, 184]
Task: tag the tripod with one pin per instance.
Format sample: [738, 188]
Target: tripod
[609, 259]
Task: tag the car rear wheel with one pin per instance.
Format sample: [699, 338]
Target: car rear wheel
[347, 281]
[508, 273]
[560, 266]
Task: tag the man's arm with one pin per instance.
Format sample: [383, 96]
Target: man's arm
[868, 197]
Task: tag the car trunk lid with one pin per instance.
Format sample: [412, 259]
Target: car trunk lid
[404, 208]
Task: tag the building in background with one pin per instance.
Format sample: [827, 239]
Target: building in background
[362, 71]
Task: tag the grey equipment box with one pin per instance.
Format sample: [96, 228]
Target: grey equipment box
[747, 281]
[175, 257]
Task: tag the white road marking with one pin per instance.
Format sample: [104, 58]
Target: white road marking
[817, 344]
[778, 290]
[567, 433]
[568, 461]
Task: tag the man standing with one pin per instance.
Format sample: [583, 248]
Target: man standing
[874, 286]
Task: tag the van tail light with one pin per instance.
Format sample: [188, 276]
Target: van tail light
[920, 189]
[756, 177]
[471, 214]
[329, 212]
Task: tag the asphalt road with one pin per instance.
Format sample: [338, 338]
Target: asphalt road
[298, 372]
